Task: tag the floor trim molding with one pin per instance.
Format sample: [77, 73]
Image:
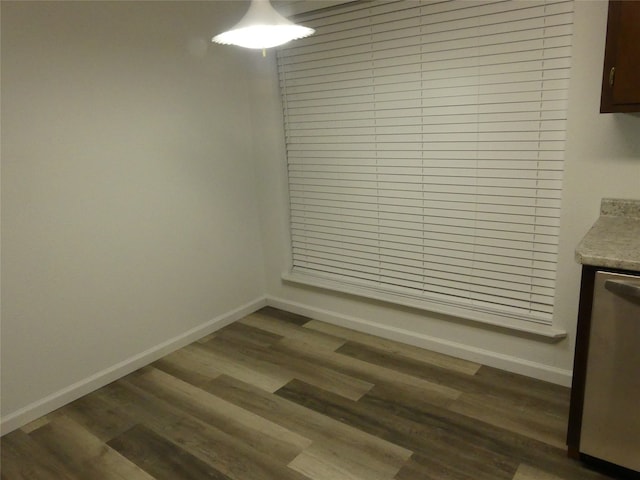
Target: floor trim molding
[467, 352]
[60, 398]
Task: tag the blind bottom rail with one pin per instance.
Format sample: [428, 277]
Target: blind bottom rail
[493, 318]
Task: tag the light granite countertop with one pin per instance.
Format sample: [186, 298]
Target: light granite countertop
[614, 240]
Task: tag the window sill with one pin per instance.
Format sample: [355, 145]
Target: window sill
[493, 319]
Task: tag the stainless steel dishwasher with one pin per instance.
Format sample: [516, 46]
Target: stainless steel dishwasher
[611, 414]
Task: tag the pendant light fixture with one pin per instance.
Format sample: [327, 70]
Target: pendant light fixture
[262, 27]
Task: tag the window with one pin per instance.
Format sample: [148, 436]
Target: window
[425, 145]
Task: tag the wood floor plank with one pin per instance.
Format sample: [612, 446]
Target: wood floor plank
[225, 453]
[246, 333]
[336, 438]
[97, 417]
[544, 395]
[503, 385]
[525, 421]
[36, 424]
[527, 472]
[481, 434]
[423, 390]
[318, 468]
[256, 431]
[312, 338]
[481, 398]
[261, 359]
[21, 458]
[268, 380]
[438, 432]
[319, 461]
[284, 315]
[428, 441]
[410, 351]
[194, 360]
[160, 458]
[85, 454]
[434, 468]
[194, 377]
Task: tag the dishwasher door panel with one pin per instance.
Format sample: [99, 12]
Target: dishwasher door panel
[611, 415]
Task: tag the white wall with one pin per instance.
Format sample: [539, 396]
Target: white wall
[129, 218]
[602, 160]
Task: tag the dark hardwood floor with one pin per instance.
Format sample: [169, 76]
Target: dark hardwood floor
[279, 396]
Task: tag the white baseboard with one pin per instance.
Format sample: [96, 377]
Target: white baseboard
[455, 349]
[87, 385]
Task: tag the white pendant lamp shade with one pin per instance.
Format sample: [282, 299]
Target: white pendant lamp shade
[262, 27]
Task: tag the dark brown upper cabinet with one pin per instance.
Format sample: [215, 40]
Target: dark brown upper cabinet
[621, 76]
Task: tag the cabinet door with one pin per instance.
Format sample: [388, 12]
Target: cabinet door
[621, 76]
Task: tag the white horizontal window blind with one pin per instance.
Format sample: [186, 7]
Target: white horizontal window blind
[425, 144]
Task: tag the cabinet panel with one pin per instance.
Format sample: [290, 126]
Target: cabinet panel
[621, 73]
